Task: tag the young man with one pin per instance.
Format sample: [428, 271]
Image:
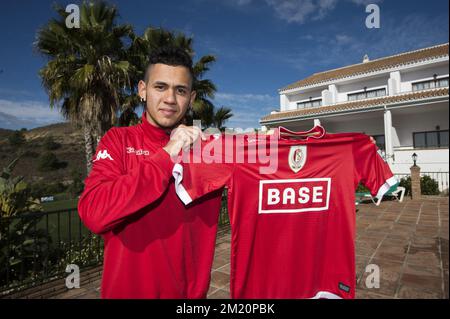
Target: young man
[154, 246]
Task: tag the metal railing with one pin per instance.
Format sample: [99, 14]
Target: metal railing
[37, 247]
[442, 178]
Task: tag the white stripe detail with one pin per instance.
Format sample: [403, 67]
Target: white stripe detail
[177, 173]
[326, 295]
[385, 187]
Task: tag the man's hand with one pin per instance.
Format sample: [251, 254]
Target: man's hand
[182, 138]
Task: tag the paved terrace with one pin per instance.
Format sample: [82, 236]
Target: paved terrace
[408, 241]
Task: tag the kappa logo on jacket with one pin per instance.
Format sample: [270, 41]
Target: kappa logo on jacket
[103, 154]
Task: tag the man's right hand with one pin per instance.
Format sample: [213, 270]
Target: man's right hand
[182, 138]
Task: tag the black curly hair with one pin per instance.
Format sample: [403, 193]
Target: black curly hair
[172, 56]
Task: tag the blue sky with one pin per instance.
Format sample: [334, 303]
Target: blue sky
[260, 45]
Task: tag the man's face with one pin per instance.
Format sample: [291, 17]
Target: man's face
[167, 93]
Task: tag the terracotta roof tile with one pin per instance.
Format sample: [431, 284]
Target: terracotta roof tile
[419, 95]
[371, 66]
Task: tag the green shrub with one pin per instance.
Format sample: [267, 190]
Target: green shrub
[77, 186]
[41, 189]
[63, 196]
[24, 248]
[27, 249]
[29, 153]
[428, 186]
[48, 162]
[15, 197]
[50, 144]
[17, 138]
[87, 253]
[406, 183]
[362, 189]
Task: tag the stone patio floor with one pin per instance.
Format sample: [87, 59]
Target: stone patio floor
[408, 241]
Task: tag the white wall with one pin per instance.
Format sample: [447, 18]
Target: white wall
[374, 126]
[284, 103]
[405, 124]
[424, 73]
[370, 123]
[408, 76]
[305, 95]
[433, 163]
[405, 121]
[435, 160]
[359, 85]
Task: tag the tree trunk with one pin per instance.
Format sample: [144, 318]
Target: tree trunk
[89, 147]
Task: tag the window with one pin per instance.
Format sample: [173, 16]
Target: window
[443, 138]
[366, 94]
[432, 139]
[310, 103]
[430, 84]
[380, 141]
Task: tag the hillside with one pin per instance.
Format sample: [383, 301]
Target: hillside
[70, 153]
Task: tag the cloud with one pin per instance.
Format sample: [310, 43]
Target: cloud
[294, 10]
[324, 7]
[10, 122]
[343, 39]
[396, 35]
[413, 31]
[247, 108]
[27, 113]
[299, 11]
[245, 98]
[365, 2]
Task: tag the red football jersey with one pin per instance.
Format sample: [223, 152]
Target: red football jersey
[293, 227]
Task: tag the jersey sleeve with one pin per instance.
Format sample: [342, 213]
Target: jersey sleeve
[370, 168]
[112, 193]
[203, 174]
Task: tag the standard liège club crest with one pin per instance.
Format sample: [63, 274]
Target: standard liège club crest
[297, 157]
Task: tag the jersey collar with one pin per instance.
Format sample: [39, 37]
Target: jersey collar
[317, 132]
[154, 132]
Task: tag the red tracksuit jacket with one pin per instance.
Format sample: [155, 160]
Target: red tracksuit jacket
[154, 246]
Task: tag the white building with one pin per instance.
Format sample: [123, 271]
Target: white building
[401, 100]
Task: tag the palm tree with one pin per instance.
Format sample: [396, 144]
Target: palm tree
[209, 116]
[87, 73]
[221, 116]
[92, 74]
[204, 87]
